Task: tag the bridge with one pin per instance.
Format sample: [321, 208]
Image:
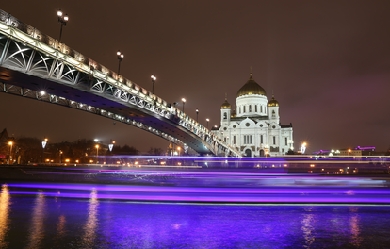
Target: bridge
[35, 65]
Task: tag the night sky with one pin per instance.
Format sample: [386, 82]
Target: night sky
[327, 63]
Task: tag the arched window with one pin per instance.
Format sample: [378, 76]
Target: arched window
[255, 108]
[250, 108]
[244, 109]
[273, 113]
[224, 115]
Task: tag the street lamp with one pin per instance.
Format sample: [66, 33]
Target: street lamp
[197, 114]
[60, 156]
[44, 141]
[120, 58]
[62, 19]
[179, 149]
[153, 80]
[207, 123]
[184, 102]
[97, 153]
[10, 143]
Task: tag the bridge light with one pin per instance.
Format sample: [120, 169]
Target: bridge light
[197, 114]
[184, 102]
[207, 123]
[62, 19]
[153, 80]
[120, 58]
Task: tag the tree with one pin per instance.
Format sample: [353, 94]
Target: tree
[155, 151]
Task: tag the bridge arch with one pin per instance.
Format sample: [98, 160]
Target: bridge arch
[31, 61]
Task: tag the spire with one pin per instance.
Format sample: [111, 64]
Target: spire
[251, 74]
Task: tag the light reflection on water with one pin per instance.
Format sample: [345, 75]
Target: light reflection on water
[37, 232]
[4, 203]
[92, 221]
[51, 221]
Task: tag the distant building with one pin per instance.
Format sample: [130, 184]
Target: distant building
[349, 152]
[254, 128]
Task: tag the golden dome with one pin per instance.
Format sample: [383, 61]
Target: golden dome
[273, 102]
[226, 105]
[251, 87]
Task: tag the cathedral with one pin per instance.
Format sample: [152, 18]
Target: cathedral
[254, 127]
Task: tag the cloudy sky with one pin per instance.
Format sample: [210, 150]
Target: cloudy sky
[326, 62]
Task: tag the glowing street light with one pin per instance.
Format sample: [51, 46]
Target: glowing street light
[97, 153]
[207, 123]
[178, 149]
[60, 155]
[10, 143]
[120, 58]
[153, 80]
[44, 142]
[62, 19]
[197, 114]
[184, 102]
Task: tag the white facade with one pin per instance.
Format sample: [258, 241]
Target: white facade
[254, 128]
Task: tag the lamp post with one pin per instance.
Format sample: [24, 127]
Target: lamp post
[120, 58]
[184, 102]
[62, 19]
[10, 143]
[97, 153]
[60, 156]
[153, 80]
[178, 149]
[207, 123]
[44, 141]
[197, 114]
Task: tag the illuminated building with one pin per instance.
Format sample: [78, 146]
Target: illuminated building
[254, 128]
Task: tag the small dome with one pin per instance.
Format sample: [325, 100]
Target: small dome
[226, 105]
[273, 102]
[251, 87]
